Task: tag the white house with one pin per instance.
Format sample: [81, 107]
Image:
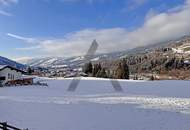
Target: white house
[8, 73]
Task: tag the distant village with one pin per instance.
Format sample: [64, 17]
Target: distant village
[169, 62]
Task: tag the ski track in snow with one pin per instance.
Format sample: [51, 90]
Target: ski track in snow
[181, 105]
[143, 105]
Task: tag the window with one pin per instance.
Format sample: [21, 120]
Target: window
[9, 76]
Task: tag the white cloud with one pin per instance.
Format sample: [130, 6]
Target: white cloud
[23, 60]
[89, 1]
[5, 13]
[28, 40]
[77, 43]
[131, 5]
[152, 12]
[157, 28]
[136, 3]
[7, 2]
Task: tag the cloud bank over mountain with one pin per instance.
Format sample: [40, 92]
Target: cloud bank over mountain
[157, 27]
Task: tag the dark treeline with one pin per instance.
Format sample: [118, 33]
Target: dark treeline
[161, 61]
[121, 70]
[157, 64]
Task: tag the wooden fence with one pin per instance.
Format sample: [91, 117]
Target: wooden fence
[20, 82]
[5, 126]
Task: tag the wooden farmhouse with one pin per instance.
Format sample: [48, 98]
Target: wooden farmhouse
[8, 73]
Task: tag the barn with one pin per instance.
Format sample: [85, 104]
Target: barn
[8, 73]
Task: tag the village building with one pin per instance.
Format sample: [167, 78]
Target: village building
[8, 73]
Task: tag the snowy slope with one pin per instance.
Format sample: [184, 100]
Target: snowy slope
[180, 45]
[159, 105]
[72, 61]
[6, 61]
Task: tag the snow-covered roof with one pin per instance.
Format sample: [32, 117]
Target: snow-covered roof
[6, 66]
[2, 66]
[187, 62]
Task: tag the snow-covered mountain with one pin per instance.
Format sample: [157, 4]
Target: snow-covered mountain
[181, 45]
[79, 60]
[6, 61]
[72, 61]
[53, 62]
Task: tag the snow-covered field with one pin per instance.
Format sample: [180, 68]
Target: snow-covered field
[143, 105]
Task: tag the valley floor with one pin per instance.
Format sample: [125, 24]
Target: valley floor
[143, 105]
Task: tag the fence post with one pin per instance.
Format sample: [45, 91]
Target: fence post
[4, 125]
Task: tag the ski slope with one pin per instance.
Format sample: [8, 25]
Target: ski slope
[95, 105]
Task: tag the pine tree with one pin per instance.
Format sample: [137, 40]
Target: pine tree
[102, 73]
[88, 68]
[152, 78]
[118, 74]
[125, 69]
[97, 68]
[29, 70]
[122, 71]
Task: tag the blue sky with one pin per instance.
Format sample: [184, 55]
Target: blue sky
[38, 28]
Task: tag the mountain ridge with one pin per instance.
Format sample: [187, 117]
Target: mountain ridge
[6, 61]
[78, 60]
